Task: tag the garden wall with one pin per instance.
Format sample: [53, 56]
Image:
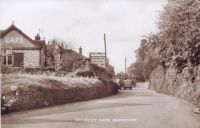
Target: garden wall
[33, 93]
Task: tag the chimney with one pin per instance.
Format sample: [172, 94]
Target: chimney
[80, 50]
[37, 37]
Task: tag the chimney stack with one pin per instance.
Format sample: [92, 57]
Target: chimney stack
[37, 37]
[80, 50]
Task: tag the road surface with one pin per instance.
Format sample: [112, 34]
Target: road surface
[137, 108]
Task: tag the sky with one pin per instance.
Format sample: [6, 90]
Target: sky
[83, 23]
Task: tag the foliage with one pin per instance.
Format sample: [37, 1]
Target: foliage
[177, 43]
[57, 46]
[120, 75]
[137, 68]
[149, 65]
[61, 44]
[110, 70]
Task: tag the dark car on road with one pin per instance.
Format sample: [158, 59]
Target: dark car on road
[127, 83]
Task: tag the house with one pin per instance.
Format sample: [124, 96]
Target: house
[74, 60]
[65, 59]
[19, 50]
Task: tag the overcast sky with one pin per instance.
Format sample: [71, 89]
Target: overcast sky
[85, 21]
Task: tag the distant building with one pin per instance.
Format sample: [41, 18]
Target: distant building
[98, 58]
[19, 50]
[66, 59]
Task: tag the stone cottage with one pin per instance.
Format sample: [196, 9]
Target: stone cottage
[19, 50]
[66, 59]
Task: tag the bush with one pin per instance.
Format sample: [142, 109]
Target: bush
[196, 98]
[39, 91]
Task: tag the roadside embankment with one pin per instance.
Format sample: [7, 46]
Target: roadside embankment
[185, 85]
[23, 92]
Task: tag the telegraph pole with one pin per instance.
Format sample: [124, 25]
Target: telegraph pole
[125, 67]
[105, 50]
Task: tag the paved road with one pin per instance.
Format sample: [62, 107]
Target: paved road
[138, 108]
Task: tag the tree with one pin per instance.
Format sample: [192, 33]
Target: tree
[179, 26]
[137, 69]
[57, 46]
[120, 75]
[178, 41]
[61, 44]
[176, 44]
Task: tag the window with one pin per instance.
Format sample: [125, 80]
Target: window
[6, 60]
[9, 60]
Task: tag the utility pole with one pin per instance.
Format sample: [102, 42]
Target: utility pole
[105, 50]
[125, 67]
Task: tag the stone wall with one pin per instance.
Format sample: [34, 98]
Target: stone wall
[185, 85]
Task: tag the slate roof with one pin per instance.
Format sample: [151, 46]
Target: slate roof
[71, 54]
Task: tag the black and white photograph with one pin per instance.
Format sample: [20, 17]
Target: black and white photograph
[100, 63]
